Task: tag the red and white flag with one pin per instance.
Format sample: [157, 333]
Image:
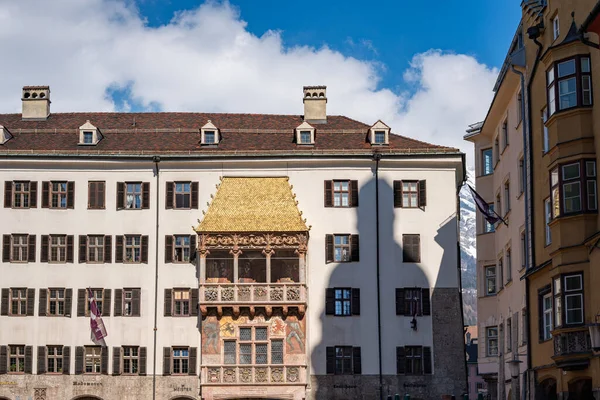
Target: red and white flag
[97, 326]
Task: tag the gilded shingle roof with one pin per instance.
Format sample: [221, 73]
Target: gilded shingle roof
[253, 205]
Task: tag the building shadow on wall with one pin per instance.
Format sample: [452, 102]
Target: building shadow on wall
[347, 373]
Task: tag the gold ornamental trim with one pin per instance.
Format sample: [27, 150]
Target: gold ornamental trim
[236, 241]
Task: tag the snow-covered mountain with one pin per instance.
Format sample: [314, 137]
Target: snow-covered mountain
[468, 251]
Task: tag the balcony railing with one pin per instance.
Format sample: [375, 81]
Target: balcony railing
[254, 375]
[566, 343]
[252, 293]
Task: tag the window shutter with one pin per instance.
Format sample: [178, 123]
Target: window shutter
[169, 195]
[120, 195]
[118, 311]
[41, 360]
[70, 250]
[328, 193]
[427, 361]
[195, 195]
[354, 193]
[193, 252]
[354, 248]
[91, 194]
[66, 360]
[422, 194]
[417, 247]
[166, 361]
[356, 361]
[8, 194]
[397, 194]
[82, 248]
[81, 298]
[68, 302]
[400, 360]
[70, 194]
[168, 248]
[30, 302]
[28, 359]
[328, 248]
[145, 249]
[135, 302]
[31, 249]
[143, 355]
[104, 361]
[6, 248]
[194, 303]
[116, 361]
[355, 301]
[192, 361]
[426, 301]
[168, 302]
[44, 252]
[329, 301]
[33, 194]
[399, 301]
[4, 303]
[330, 359]
[145, 195]
[107, 249]
[119, 249]
[45, 194]
[43, 302]
[100, 194]
[106, 295]
[3, 360]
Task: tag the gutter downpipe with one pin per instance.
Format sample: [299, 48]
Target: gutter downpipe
[377, 157]
[156, 160]
[459, 260]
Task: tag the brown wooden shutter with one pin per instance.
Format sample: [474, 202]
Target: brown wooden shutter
[329, 301]
[100, 194]
[71, 194]
[194, 303]
[4, 302]
[422, 194]
[328, 248]
[8, 185]
[45, 194]
[193, 249]
[106, 295]
[400, 360]
[44, 252]
[81, 299]
[6, 248]
[356, 361]
[31, 248]
[145, 249]
[66, 366]
[116, 361]
[330, 359]
[3, 360]
[397, 194]
[41, 360]
[119, 249]
[427, 361]
[353, 193]
[166, 361]
[399, 301]
[143, 356]
[136, 296]
[417, 247]
[192, 361]
[68, 302]
[120, 195]
[169, 195]
[145, 195]
[168, 248]
[28, 359]
[168, 302]
[104, 361]
[43, 303]
[82, 248]
[92, 195]
[30, 302]
[354, 248]
[33, 194]
[426, 301]
[107, 249]
[328, 193]
[355, 301]
[70, 248]
[194, 195]
[118, 311]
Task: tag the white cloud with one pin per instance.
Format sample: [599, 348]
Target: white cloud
[206, 60]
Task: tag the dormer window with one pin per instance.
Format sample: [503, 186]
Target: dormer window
[5, 135]
[305, 134]
[89, 135]
[305, 137]
[379, 134]
[209, 134]
[209, 137]
[379, 137]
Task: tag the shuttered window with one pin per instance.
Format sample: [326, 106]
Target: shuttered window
[96, 195]
[181, 360]
[343, 360]
[127, 302]
[58, 194]
[411, 248]
[57, 248]
[342, 301]
[410, 194]
[20, 194]
[19, 359]
[129, 360]
[133, 195]
[180, 248]
[341, 193]
[18, 301]
[341, 248]
[93, 360]
[54, 359]
[414, 360]
[413, 301]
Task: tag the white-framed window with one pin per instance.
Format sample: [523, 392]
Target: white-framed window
[209, 137]
[555, 28]
[557, 292]
[547, 220]
[545, 133]
[209, 134]
[487, 162]
[573, 292]
[571, 188]
[88, 137]
[305, 137]
[547, 316]
[488, 228]
[491, 336]
[379, 137]
[490, 280]
[569, 82]
[379, 134]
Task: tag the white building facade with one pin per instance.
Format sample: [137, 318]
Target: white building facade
[233, 256]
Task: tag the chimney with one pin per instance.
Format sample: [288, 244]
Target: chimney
[315, 104]
[36, 103]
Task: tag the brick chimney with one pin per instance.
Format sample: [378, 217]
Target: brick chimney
[315, 104]
[36, 103]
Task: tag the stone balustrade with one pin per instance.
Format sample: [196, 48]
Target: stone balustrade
[254, 375]
[252, 293]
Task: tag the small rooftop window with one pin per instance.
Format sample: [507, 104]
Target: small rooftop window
[89, 135]
[379, 134]
[305, 137]
[209, 134]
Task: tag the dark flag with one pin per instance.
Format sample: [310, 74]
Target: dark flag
[490, 215]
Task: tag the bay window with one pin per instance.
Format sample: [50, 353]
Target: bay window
[568, 300]
[569, 84]
[547, 316]
[574, 188]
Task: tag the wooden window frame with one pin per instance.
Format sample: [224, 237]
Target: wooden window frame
[92, 244]
[57, 246]
[414, 361]
[341, 301]
[99, 301]
[553, 82]
[183, 248]
[14, 246]
[31, 187]
[21, 300]
[338, 193]
[181, 359]
[183, 193]
[561, 292]
[56, 192]
[57, 300]
[183, 301]
[342, 354]
[56, 354]
[128, 357]
[420, 194]
[557, 188]
[407, 256]
[508, 334]
[331, 192]
[488, 278]
[135, 193]
[132, 246]
[96, 195]
[19, 356]
[342, 246]
[485, 172]
[96, 359]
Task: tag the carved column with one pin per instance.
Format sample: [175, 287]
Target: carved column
[202, 252]
[301, 251]
[268, 252]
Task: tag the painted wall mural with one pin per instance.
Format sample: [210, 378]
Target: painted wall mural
[294, 338]
[210, 336]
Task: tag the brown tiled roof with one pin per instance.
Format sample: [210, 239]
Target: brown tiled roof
[174, 132]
